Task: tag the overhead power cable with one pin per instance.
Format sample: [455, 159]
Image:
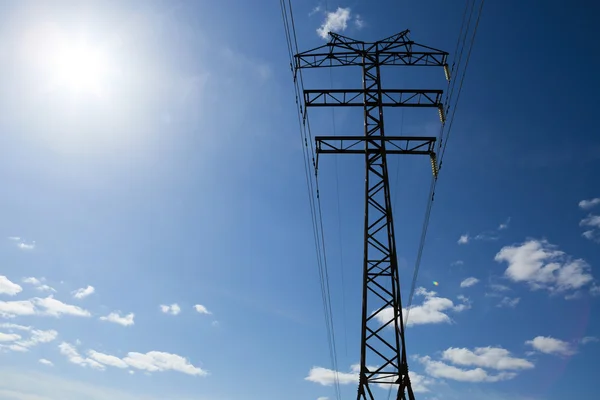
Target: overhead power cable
[444, 138]
[312, 187]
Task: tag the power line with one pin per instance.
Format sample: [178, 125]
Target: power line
[313, 188]
[445, 142]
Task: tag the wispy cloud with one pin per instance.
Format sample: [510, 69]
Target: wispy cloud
[152, 361]
[116, 318]
[587, 204]
[359, 22]
[504, 225]
[173, 309]
[48, 306]
[70, 351]
[26, 246]
[46, 362]
[315, 10]
[589, 339]
[468, 282]
[83, 292]
[457, 262]
[21, 344]
[542, 266]
[22, 244]
[486, 235]
[38, 284]
[336, 21]
[591, 220]
[509, 302]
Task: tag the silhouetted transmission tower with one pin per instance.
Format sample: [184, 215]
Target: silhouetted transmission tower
[382, 359]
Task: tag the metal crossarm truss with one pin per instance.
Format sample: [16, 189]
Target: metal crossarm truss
[356, 145]
[388, 97]
[383, 358]
[395, 50]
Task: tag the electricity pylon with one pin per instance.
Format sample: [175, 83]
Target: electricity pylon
[382, 361]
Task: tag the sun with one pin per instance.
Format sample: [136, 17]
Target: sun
[81, 67]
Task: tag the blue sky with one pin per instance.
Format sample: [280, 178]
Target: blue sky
[156, 238]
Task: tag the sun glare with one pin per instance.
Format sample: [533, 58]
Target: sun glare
[81, 67]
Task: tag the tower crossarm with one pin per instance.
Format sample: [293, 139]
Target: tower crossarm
[388, 97]
[395, 50]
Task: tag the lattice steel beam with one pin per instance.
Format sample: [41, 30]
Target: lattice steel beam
[389, 97]
[395, 50]
[394, 145]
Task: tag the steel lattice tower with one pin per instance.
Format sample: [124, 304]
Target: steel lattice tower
[382, 361]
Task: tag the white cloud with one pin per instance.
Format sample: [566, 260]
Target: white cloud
[37, 337]
[33, 281]
[26, 246]
[38, 284]
[432, 311]
[485, 357]
[8, 287]
[542, 266]
[107, 359]
[48, 306]
[322, 398]
[509, 302]
[463, 239]
[52, 307]
[550, 345]
[70, 351]
[9, 337]
[469, 282]
[439, 369]
[589, 339]
[10, 309]
[173, 309]
[587, 204]
[336, 21]
[161, 361]
[591, 220]
[14, 238]
[7, 325]
[457, 262]
[326, 376]
[46, 362]
[83, 292]
[116, 318]
[419, 382]
[201, 309]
